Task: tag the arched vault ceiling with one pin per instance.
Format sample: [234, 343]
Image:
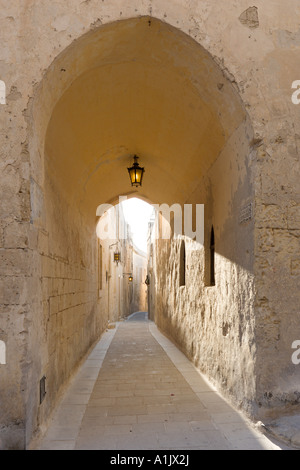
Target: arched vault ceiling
[137, 88]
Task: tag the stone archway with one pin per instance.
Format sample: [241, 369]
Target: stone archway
[137, 86]
[258, 52]
[105, 82]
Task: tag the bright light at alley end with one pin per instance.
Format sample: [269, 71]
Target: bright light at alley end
[136, 173]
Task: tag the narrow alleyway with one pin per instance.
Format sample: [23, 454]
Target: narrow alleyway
[136, 390]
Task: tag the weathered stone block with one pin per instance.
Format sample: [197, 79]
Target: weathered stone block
[52, 334]
[48, 266]
[271, 216]
[54, 305]
[294, 217]
[16, 235]
[15, 262]
[286, 242]
[43, 242]
[13, 290]
[265, 240]
[295, 267]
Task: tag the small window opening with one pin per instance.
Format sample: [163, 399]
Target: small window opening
[100, 267]
[42, 389]
[182, 263]
[212, 257]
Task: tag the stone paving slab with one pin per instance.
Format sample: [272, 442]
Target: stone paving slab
[138, 391]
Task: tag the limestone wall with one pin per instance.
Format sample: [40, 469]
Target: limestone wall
[258, 50]
[66, 314]
[215, 325]
[139, 295]
[115, 293]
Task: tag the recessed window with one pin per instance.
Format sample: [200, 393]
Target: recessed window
[212, 257]
[100, 267]
[182, 263]
[42, 389]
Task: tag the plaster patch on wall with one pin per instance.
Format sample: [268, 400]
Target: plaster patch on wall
[249, 17]
[14, 94]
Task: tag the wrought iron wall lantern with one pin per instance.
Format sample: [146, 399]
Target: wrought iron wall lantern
[130, 278]
[117, 257]
[136, 173]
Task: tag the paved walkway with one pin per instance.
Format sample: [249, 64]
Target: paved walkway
[137, 391]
